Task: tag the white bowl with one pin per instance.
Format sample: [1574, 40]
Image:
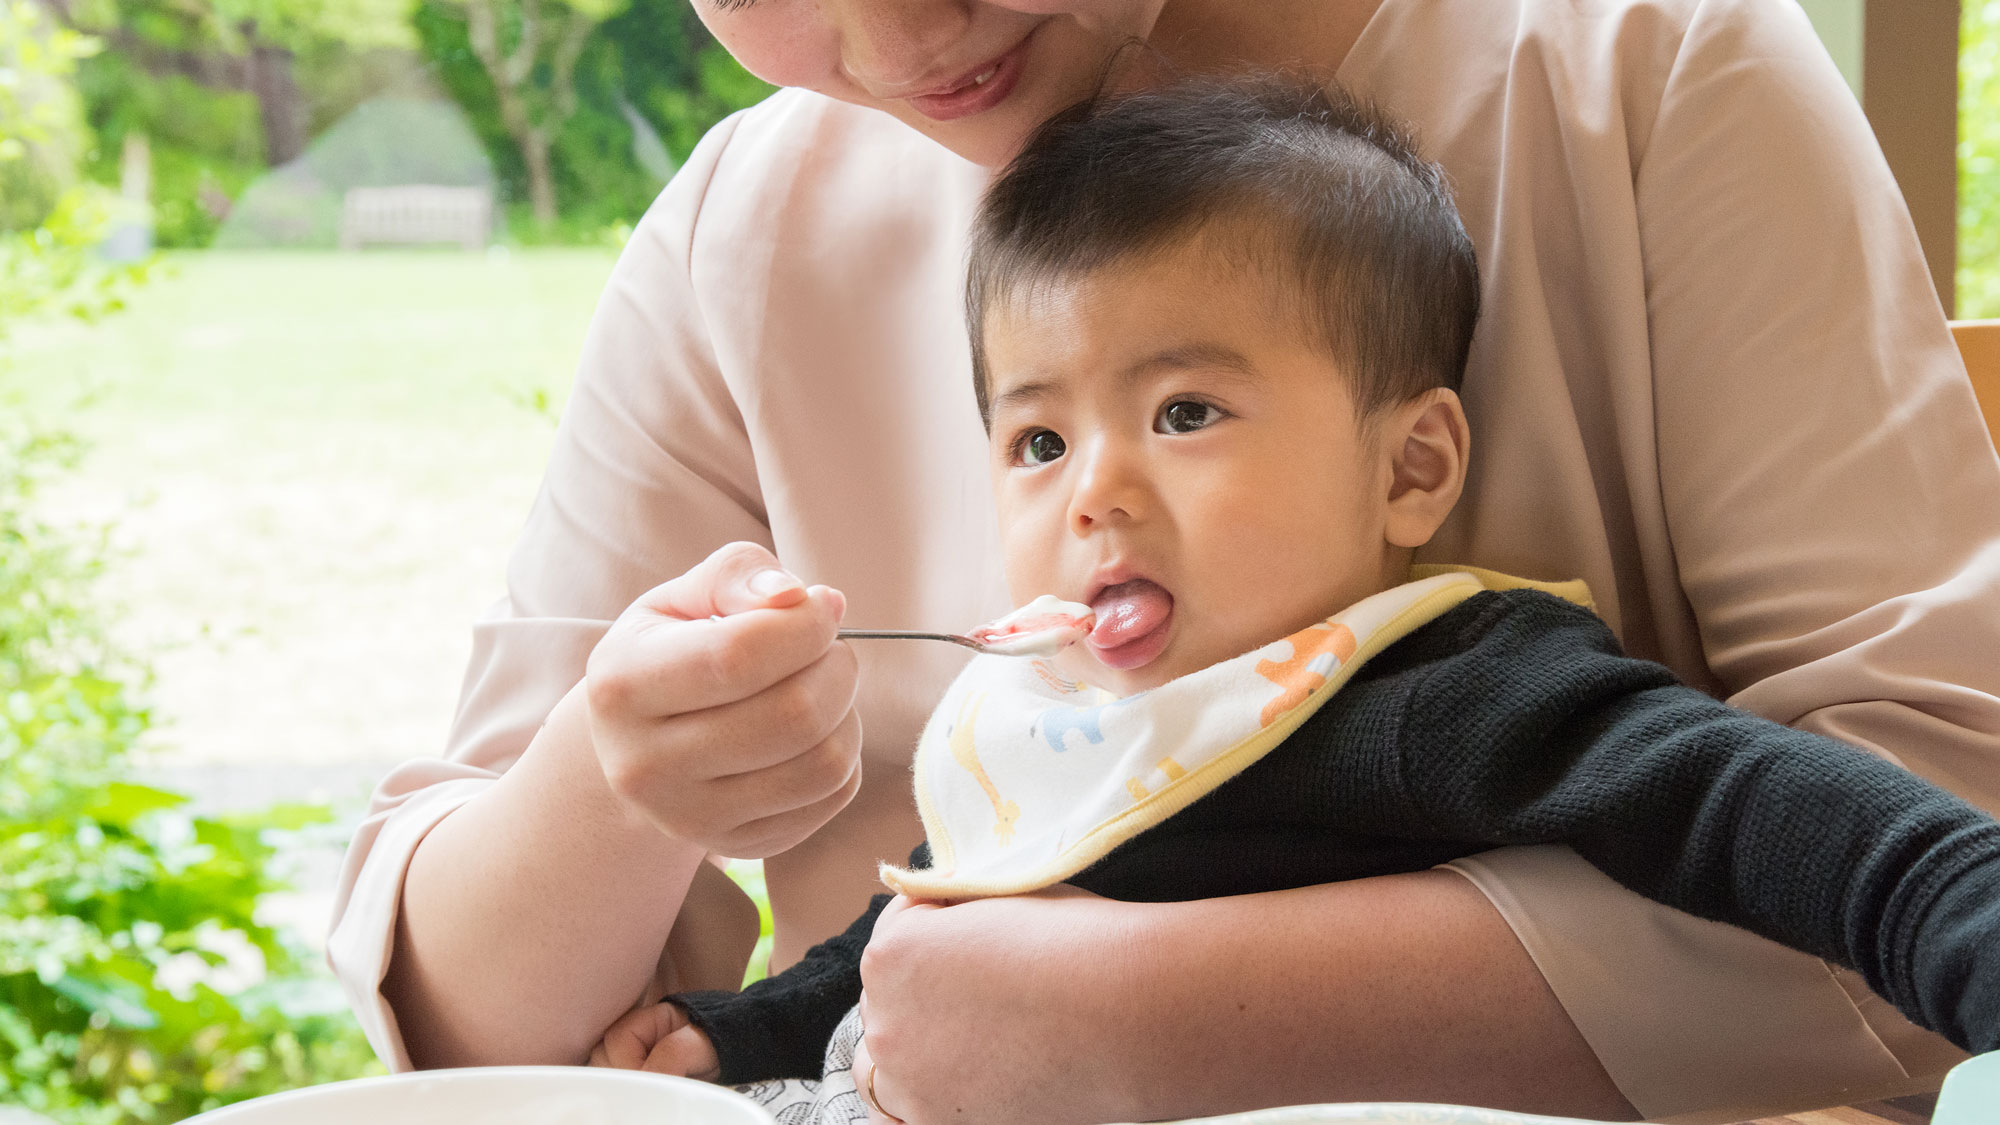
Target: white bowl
[1383, 1113]
[500, 1095]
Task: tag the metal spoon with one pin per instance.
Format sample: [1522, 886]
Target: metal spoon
[911, 635]
[900, 635]
[1009, 646]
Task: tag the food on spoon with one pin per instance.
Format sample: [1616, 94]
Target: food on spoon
[1043, 627]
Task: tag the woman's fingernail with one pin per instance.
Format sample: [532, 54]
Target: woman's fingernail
[766, 583]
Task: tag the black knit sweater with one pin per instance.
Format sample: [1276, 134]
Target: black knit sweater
[1515, 719]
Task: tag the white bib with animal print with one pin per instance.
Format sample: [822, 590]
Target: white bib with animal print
[1025, 778]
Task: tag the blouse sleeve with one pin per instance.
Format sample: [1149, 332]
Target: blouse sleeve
[1833, 503]
[1833, 496]
[651, 471]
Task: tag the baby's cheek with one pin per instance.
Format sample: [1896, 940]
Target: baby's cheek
[1023, 583]
[1026, 557]
[1073, 665]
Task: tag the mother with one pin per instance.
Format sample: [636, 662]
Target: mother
[1712, 379]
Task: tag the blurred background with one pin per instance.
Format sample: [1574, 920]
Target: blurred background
[290, 295]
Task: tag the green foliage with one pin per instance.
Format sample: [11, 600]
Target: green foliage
[654, 57]
[666, 64]
[1979, 161]
[45, 260]
[233, 25]
[749, 875]
[43, 144]
[721, 87]
[137, 981]
[207, 144]
[39, 57]
[647, 83]
[53, 268]
[207, 140]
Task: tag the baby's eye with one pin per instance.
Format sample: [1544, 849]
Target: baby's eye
[1186, 416]
[1041, 447]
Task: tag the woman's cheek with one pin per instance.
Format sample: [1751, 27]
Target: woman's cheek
[1120, 17]
[779, 45]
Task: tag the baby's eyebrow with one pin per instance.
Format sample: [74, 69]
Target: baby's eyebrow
[1024, 394]
[1220, 358]
[1226, 363]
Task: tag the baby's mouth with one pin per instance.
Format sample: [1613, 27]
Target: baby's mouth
[1132, 620]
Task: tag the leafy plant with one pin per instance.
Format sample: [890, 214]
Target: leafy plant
[46, 260]
[38, 152]
[138, 981]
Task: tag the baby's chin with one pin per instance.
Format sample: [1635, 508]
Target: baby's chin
[1075, 663]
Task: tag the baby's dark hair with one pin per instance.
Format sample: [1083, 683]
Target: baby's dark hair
[1362, 226]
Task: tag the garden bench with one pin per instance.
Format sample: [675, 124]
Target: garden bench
[415, 215]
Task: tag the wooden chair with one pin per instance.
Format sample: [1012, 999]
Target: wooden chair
[1979, 343]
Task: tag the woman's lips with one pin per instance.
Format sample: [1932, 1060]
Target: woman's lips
[981, 91]
[1132, 619]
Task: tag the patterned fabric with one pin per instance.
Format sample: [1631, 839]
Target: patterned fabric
[831, 1100]
[1025, 778]
[1041, 776]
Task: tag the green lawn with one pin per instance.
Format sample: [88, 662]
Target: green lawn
[313, 465]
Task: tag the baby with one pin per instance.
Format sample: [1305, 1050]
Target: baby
[1218, 332]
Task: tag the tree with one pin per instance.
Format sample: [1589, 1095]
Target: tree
[651, 72]
[240, 45]
[529, 50]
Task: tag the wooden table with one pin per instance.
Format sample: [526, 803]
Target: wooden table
[1912, 1110]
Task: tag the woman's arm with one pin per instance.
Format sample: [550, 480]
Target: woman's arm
[513, 900]
[1408, 987]
[1820, 515]
[506, 890]
[716, 717]
[1530, 726]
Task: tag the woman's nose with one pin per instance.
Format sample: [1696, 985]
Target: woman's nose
[896, 48]
[1110, 489]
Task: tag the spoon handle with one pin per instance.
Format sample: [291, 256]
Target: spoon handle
[907, 635]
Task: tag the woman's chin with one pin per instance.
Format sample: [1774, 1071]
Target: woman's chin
[990, 139]
[1064, 66]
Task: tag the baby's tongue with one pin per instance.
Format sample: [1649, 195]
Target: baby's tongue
[1128, 611]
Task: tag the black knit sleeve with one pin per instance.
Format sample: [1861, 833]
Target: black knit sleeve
[779, 1027]
[1543, 731]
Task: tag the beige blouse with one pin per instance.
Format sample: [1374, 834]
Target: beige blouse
[1712, 380]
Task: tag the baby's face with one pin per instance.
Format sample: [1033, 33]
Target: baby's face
[1170, 449]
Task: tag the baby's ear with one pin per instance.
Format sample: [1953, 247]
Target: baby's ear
[1428, 444]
